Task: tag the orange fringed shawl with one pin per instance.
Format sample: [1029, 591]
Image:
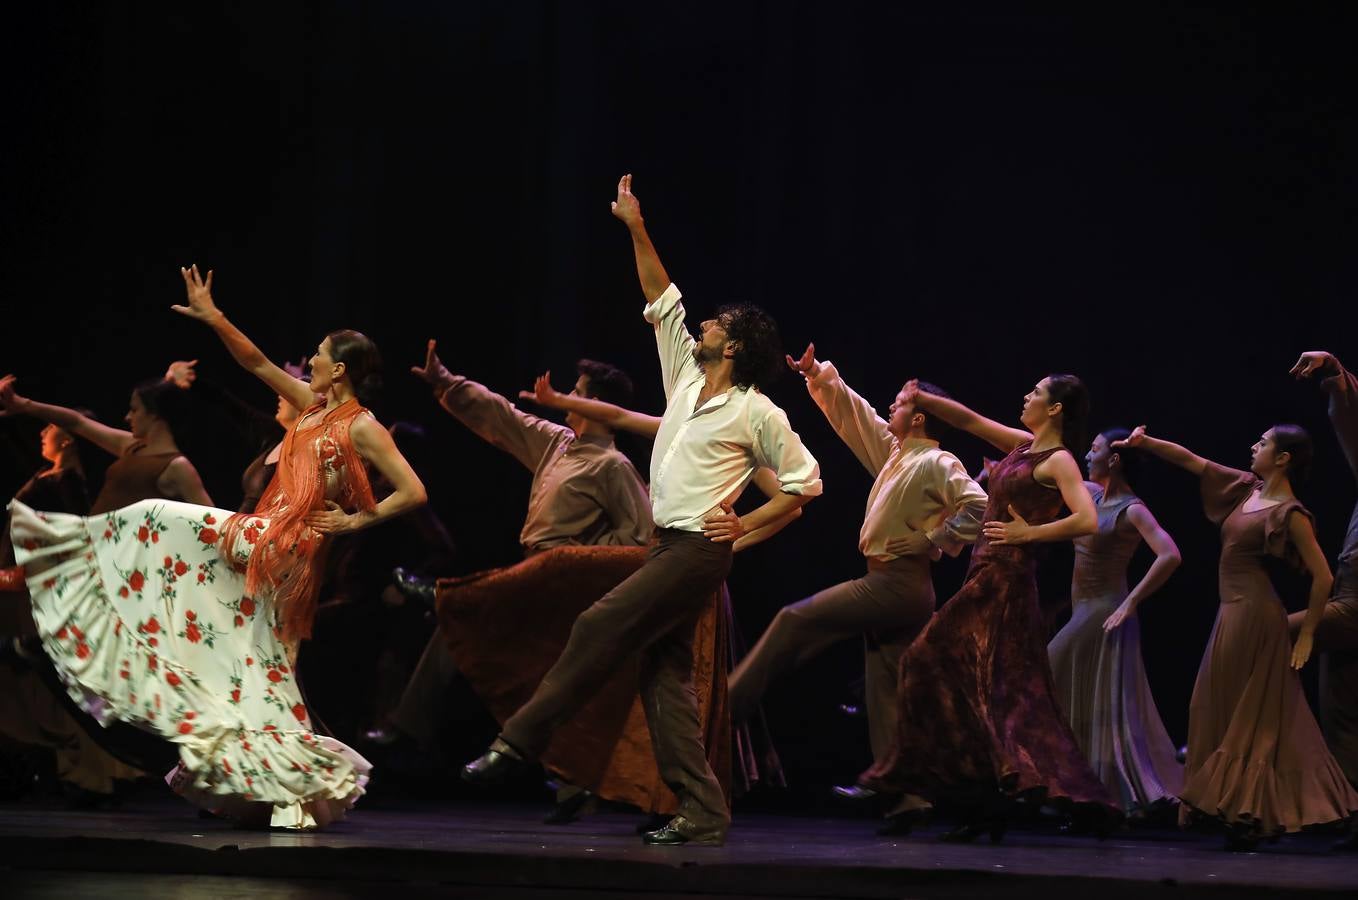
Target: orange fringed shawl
[317, 463]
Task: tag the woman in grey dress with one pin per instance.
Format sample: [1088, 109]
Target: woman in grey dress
[1096, 658]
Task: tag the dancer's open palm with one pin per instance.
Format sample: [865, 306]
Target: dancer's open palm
[199, 290]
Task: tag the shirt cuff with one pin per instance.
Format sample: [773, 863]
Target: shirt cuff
[827, 374]
[663, 304]
[943, 540]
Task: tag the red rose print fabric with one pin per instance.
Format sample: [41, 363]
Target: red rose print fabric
[147, 622]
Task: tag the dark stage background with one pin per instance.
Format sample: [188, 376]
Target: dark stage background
[1158, 198]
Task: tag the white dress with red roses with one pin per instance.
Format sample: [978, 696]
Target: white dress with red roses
[147, 622]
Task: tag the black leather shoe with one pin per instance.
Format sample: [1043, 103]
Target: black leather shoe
[855, 792]
[493, 766]
[902, 823]
[569, 810]
[654, 822]
[681, 831]
[1241, 838]
[965, 834]
[414, 587]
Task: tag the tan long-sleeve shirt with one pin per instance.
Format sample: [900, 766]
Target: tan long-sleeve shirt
[918, 486]
[584, 490]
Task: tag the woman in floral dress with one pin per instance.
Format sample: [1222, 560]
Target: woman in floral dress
[185, 619]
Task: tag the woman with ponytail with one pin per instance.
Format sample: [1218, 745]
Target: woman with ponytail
[1256, 759]
[979, 725]
[185, 619]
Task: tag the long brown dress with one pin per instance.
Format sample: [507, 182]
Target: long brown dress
[1100, 680]
[1255, 753]
[506, 627]
[977, 705]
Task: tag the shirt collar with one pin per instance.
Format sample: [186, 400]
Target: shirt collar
[595, 440]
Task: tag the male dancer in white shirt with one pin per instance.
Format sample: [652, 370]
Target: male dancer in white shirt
[717, 429]
[922, 503]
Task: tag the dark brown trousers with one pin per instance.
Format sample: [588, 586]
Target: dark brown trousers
[651, 613]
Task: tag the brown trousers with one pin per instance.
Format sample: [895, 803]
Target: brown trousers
[1337, 643]
[652, 613]
[889, 605]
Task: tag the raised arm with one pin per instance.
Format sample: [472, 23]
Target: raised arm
[610, 414]
[959, 416]
[1303, 537]
[852, 417]
[114, 440]
[649, 270]
[374, 444]
[1342, 387]
[243, 350]
[1166, 450]
[1167, 559]
[490, 416]
[1061, 468]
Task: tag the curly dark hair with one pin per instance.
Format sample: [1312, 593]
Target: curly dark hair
[759, 360]
[606, 382]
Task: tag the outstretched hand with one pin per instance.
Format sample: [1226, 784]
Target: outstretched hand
[433, 370]
[1310, 362]
[543, 393]
[181, 373]
[807, 366]
[1135, 439]
[199, 290]
[626, 207]
[10, 402]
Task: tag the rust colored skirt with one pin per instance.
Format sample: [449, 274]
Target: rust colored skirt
[506, 627]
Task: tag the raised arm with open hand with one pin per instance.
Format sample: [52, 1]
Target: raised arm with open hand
[807, 365]
[202, 307]
[433, 372]
[627, 209]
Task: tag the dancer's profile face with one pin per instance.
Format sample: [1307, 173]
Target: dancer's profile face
[1037, 405]
[1264, 455]
[899, 415]
[138, 419]
[712, 341]
[54, 440]
[1098, 457]
[575, 421]
[322, 368]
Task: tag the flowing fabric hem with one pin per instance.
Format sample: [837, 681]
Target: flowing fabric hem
[1251, 792]
[108, 666]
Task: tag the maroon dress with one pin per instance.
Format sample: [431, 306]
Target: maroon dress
[978, 709]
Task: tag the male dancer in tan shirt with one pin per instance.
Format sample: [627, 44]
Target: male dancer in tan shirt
[922, 503]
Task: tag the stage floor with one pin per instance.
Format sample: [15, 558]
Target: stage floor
[159, 847]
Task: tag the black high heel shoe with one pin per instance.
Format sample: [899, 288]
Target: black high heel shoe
[995, 827]
[902, 823]
[1242, 838]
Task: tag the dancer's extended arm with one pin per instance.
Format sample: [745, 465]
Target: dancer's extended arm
[1303, 536]
[1167, 559]
[601, 411]
[1166, 450]
[654, 280]
[1342, 387]
[490, 416]
[114, 440]
[963, 417]
[243, 350]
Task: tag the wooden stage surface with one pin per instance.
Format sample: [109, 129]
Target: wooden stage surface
[158, 846]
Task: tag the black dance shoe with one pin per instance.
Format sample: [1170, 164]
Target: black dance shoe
[855, 792]
[654, 822]
[902, 823]
[681, 831]
[964, 834]
[412, 586]
[569, 810]
[1241, 838]
[493, 766]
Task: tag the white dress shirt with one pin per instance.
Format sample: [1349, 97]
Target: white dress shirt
[918, 486]
[704, 457]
